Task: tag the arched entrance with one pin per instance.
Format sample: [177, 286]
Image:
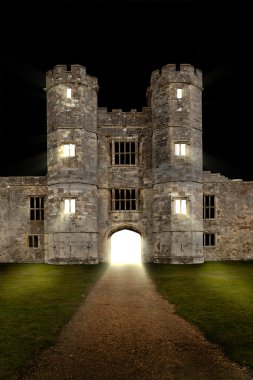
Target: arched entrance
[125, 247]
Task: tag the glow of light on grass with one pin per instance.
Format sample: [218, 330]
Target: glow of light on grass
[126, 247]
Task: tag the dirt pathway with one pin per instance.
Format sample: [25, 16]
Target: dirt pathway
[126, 330]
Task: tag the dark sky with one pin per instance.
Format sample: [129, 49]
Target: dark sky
[121, 43]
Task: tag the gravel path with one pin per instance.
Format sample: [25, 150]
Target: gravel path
[126, 330]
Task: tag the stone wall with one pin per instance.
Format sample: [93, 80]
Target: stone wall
[16, 226]
[233, 222]
[71, 237]
[177, 119]
[159, 176]
[177, 238]
[129, 126]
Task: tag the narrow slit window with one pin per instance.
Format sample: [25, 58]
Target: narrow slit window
[69, 150]
[179, 93]
[208, 207]
[69, 93]
[180, 206]
[70, 206]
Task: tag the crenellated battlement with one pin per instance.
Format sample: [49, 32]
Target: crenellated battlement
[76, 75]
[118, 117]
[184, 73]
[104, 110]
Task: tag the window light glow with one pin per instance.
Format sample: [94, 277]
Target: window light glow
[69, 93]
[126, 247]
[179, 93]
[183, 149]
[181, 206]
[69, 206]
[180, 149]
[69, 150]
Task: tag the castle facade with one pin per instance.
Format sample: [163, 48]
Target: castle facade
[116, 170]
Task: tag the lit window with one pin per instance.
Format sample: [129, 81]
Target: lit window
[33, 241]
[208, 240]
[208, 206]
[69, 150]
[179, 93]
[69, 206]
[69, 95]
[36, 208]
[180, 206]
[180, 149]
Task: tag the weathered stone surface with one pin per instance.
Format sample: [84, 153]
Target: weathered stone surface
[15, 221]
[158, 175]
[177, 238]
[233, 222]
[72, 237]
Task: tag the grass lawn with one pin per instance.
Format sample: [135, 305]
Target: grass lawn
[215, 296]
[36, 300]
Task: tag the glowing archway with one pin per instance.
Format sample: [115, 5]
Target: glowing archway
[126, 247]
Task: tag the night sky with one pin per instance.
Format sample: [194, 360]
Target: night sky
[121, 44]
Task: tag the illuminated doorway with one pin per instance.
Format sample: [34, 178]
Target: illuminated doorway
[126, 247]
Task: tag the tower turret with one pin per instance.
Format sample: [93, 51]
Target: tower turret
[71, 222]
[177, 164]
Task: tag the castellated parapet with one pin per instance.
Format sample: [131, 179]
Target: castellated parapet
[118, 117]
[114, 170]
[75, 76]
[184, 73]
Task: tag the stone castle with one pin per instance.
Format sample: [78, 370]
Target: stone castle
[116, 170]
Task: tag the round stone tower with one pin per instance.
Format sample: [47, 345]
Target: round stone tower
[71, 207]
[176, 101]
